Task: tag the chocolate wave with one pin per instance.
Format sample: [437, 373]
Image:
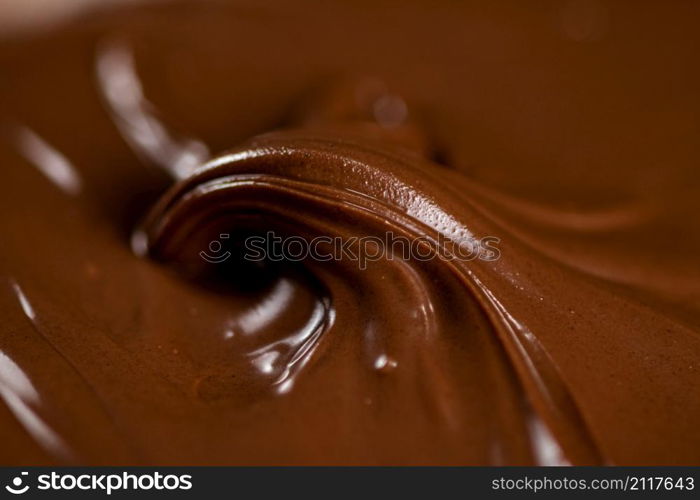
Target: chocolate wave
[456, 332]
[577, 342]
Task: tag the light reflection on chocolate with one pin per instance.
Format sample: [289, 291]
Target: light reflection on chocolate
[578, 345]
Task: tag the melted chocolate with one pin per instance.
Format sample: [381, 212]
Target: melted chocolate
[568, 132]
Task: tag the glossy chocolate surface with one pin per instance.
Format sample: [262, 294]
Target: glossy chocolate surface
[133, 138]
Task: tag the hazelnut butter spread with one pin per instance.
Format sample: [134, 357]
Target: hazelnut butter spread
[359, 233]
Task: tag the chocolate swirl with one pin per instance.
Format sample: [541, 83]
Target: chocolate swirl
[540, 315]
[419, 333]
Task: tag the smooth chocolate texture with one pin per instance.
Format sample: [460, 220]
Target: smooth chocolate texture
[132, 138]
